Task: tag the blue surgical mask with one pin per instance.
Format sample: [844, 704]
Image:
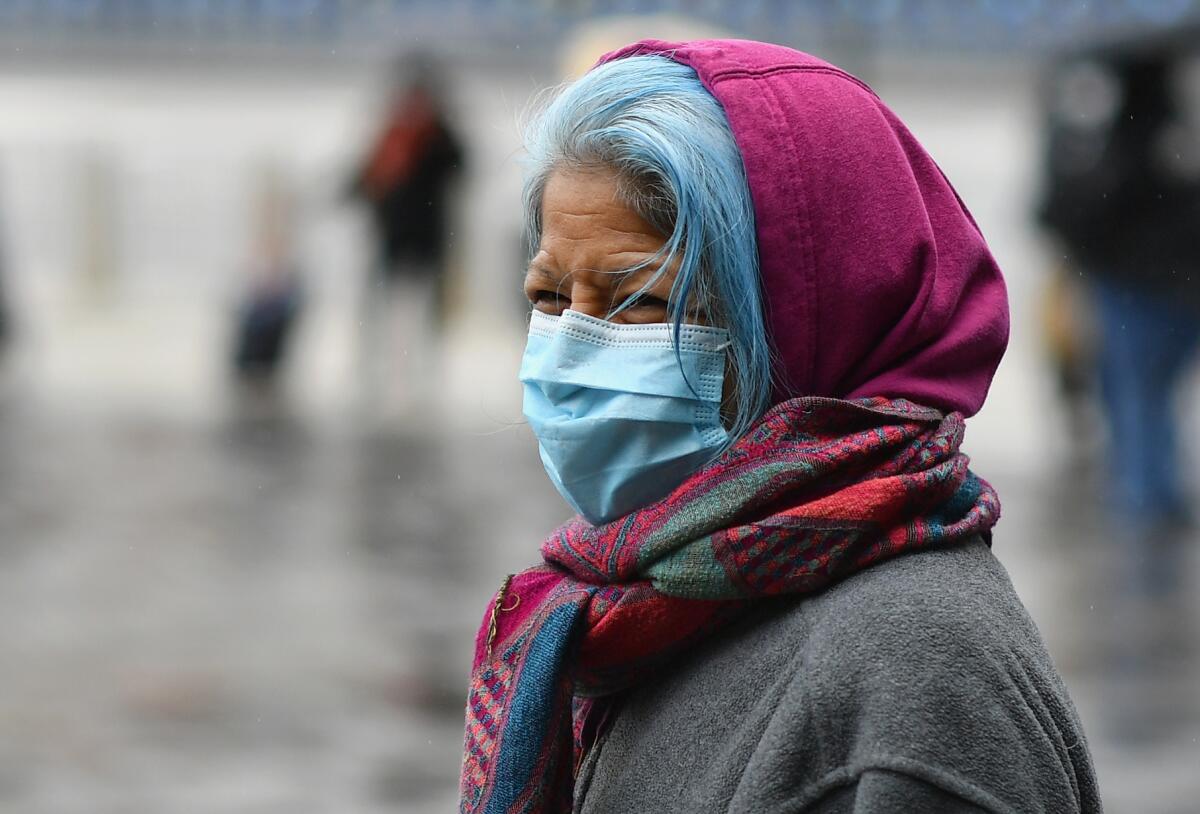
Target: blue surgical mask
[622, 419]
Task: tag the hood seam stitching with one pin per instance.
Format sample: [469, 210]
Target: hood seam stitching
[802, 216]
[773, 70]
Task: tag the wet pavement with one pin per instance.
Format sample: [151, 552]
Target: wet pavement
[247, 616]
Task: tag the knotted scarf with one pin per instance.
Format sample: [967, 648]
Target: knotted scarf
[819, 489]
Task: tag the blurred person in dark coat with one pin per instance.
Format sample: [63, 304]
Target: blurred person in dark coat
[267, 317]
[6, 320]
[405, 175]
[1123, 195]
[404, 180]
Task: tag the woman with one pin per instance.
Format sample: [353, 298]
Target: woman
[760, 314]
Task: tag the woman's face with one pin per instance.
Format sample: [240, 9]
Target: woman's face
[590, 239]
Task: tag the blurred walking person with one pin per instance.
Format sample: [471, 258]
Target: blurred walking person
[404, 180]
[8, 384]
[272, 302]
[5, 312]
[1123, 197]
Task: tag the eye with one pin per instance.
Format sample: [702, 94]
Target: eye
[549, 301]
[645, 304]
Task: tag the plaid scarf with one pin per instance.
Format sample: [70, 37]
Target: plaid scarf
[819, 489]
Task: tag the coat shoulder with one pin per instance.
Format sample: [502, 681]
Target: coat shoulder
[929, 665]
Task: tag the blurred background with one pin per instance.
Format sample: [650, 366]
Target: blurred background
[261, 452]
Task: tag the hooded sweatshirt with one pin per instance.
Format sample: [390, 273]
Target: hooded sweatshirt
[876, 279]
[920, 684]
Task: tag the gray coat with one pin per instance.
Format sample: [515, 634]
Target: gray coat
[918, 685]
